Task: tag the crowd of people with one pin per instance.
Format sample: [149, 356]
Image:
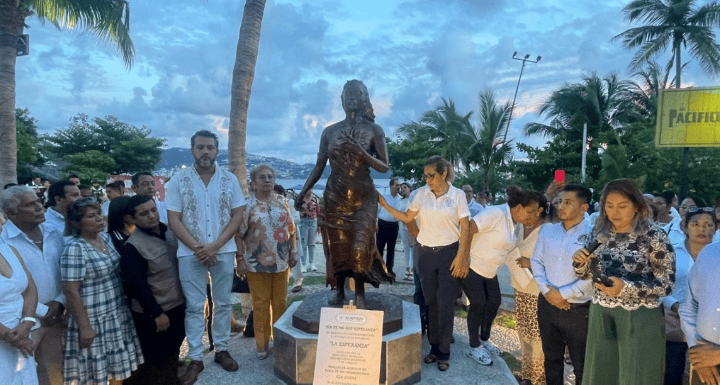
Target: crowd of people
[615, 288]
[98, 286]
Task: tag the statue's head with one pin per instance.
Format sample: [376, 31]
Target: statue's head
[355, 98]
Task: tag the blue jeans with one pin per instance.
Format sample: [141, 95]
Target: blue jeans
[308, 230]
[194, 280]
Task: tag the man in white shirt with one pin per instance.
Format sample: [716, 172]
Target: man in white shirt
[60, 195]
[388, 227]
[40, 246]
[143, 183]
[565, 304]
[205, 209]
[473, 206]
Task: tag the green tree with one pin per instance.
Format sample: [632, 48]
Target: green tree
[90, 164]
[109, 19]
[243, 76]
[411, 150]
[28, 149]
[679, 24]
[132, 149]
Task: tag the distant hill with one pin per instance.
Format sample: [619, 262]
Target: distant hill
[175, 157]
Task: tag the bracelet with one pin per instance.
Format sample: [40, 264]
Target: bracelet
[293, 251]
[29, 319]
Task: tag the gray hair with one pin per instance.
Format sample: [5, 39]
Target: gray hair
[263, 166]
[11, 197]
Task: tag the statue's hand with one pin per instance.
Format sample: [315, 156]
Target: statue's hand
[299, 201]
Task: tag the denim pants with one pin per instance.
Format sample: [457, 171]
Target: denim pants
[308, 230]
[194, 280]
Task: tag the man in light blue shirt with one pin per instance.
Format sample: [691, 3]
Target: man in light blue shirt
[563, 308]
[700, 314]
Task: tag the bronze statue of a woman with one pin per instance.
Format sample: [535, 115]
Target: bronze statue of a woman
[352, 146]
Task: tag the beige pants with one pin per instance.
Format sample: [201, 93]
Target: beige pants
[269, 292]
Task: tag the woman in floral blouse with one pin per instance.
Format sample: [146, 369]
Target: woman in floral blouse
[633, 267]
[270, 253]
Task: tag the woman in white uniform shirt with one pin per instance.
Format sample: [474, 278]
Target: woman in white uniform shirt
[442, 216]
[494, 231]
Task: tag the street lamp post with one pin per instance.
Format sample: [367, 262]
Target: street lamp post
[512, 107]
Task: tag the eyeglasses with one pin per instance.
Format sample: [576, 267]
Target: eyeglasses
[82, 202]
[701, 209]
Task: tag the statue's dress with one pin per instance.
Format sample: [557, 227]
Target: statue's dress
[350, 209]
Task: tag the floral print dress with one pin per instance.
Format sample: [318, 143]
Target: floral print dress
[268, 235]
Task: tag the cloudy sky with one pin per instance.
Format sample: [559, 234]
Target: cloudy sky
[409, 54]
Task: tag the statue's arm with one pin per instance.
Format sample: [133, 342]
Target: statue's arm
[381, 161]
[316, 172]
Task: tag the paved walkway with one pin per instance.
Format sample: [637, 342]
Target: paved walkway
[462, 368]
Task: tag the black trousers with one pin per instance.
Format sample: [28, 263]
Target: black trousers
[559, 328]
[675, 353]
[160, 350]
[419, 299]
[484, 296]
[387, 235]
[440, 290]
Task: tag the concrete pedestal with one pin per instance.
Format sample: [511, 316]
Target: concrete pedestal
[400, 363]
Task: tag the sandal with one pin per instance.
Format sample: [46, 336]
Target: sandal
[443, 365]
[430, 358]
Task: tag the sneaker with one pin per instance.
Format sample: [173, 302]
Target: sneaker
[480, 355]
[492, 348]
[262, 355]
[313, 268]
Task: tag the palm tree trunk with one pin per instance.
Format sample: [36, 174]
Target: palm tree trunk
[686, 150]
[243, 75]
[11, 26]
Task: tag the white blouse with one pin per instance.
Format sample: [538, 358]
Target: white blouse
[438, 218]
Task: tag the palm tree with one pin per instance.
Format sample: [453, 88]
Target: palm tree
[451, 132]
[676, 22]
[680, 23]
[243, 75]
[109, 19]
[488, 148]
[644, 95]
[601, 103]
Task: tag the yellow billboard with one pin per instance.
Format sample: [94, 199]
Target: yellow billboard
[688, 118]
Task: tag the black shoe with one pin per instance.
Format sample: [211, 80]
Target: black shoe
[191, 373]
[249, 328]
[226, 361]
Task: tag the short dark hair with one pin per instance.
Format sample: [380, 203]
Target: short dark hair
[134, 202]
[136, 177]
[517, 196]
[83, 187]
[75, 213]
[279, 189]
[667, 196]
[57, 189]
[582, 193]
[204, 134]
[394, 180]
[114, 186]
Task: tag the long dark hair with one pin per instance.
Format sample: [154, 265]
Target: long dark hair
[116, 214]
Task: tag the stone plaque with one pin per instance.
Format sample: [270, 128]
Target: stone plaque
[349, 347]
